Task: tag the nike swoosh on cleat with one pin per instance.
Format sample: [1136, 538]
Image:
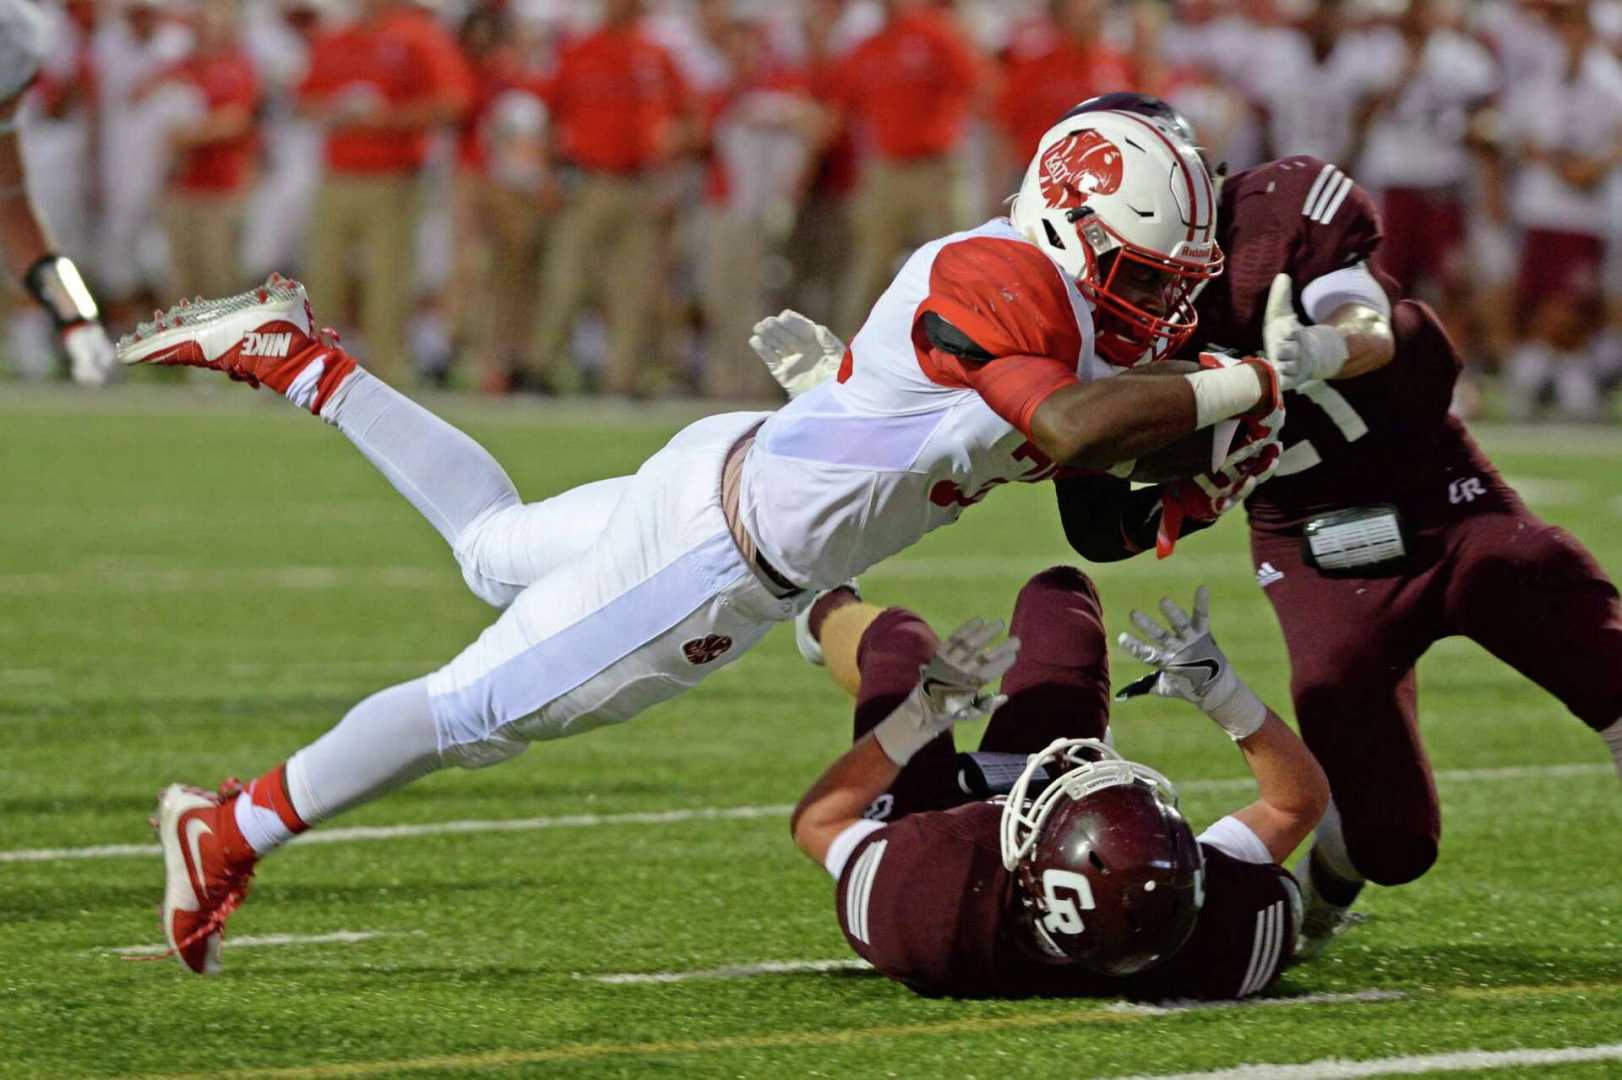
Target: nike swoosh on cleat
[195, 828]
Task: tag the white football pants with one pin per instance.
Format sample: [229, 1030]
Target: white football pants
[618, 595]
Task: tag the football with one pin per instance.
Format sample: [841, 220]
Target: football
[1189, 456]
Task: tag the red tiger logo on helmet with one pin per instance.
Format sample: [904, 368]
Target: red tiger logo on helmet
[1080, 165]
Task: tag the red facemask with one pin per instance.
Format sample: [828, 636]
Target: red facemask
[1143, 301]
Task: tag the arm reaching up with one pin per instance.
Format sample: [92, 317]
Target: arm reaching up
[950, 690]
[1291, 787]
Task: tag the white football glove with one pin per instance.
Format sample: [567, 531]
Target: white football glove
[950, 690]
[1189, 665]
[91, 355]
[1302, 354]
[800, 352]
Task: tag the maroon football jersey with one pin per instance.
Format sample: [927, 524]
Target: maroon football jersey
[1382, 437]
[927, 902]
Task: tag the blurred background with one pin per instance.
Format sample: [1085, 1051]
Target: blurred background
[578, 197]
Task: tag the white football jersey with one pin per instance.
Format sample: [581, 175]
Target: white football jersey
[910, 435]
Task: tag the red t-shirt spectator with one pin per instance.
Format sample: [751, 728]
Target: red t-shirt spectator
[403, 58]
[1045, 73]
[617, 99]
[910, 86]
[226, 79]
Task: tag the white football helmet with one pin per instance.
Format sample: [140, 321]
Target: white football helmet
[1125, 207]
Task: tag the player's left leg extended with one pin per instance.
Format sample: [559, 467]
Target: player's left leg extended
[1533, 596]
[1353, 644]
[268, 336]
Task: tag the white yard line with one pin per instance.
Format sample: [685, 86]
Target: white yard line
[104, 580]
[1415, 1065]
[363, 833]
[731, 971]
[1170, 1008]
[437, 828]
[266, 941]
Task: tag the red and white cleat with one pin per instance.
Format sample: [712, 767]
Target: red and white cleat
[203, 886]
[264, 336]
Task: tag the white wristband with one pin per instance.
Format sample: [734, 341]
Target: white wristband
[1223, 393]
[1241, 714]
[907, 730]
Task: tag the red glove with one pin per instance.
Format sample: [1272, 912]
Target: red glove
[1208, 497]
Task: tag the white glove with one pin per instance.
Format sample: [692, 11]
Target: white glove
[799, 352]
[1302, 354]
[90, 353]
[1189, 665]
[950, 689]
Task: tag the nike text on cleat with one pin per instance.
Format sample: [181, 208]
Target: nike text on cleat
[202, 887]
[265, 336]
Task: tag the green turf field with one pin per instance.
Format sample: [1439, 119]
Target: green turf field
[195, 583]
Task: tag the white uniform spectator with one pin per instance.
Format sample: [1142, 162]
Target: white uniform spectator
[128, 52]
[1416, 152]
[1564, 133]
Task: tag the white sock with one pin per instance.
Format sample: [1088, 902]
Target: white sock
[448, 477]
[384, 743]
[261, 826]
[1613, 739]
[1329, 846]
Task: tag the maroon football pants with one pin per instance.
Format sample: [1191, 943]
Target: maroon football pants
[1527, 592]
[1058, 688]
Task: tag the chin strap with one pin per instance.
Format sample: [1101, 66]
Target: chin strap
[56, 283]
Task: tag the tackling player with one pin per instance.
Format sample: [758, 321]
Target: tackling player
[24, 243]
[977, 368]
[1385, 528]
[1085, 879]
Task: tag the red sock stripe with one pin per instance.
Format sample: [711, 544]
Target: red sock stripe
[270, 792]
[339, 365]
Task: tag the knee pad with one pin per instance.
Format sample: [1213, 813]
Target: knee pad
[492, 750]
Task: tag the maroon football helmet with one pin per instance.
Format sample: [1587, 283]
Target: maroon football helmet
[1107, 868]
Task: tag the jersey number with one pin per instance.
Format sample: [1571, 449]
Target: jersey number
[1303, 455]
[1064, 913]
[946, 493]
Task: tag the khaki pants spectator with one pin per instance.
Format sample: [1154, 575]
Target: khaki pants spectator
[378, 215]
[898, 206]
[608, 241]
[205, 233]
[733, 303]
[499, 237]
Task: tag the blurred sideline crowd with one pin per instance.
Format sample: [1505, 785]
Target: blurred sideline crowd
[603, 196]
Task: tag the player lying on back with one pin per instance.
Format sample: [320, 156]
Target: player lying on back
[1085, 879]
[1384, 529]
[24, 243]
[977, 368]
